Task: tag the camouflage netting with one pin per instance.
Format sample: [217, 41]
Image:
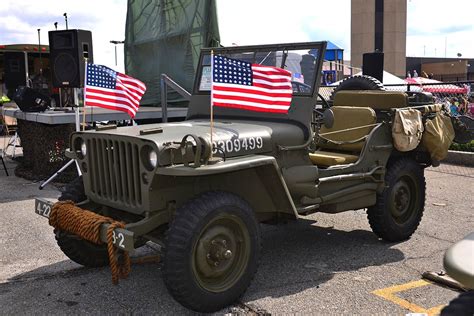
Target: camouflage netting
[43, 151]
[165, 36]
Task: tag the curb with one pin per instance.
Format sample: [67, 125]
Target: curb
[460, 158]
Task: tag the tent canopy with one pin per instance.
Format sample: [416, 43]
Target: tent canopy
[435, 86]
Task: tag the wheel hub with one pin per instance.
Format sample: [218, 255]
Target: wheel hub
[218, 251]
[221, 254]
[402, 199]
[402, 202]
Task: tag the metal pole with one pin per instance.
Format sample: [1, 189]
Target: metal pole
[164, 99]
[65, 18]
[445, 45]
[115, 43]
[27, 73]
[39, 50]
[211, 121]
[42, 185]
[76, 111]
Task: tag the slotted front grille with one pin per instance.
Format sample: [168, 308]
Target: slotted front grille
[114, 171]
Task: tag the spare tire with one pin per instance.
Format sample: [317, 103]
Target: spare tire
[360, 82]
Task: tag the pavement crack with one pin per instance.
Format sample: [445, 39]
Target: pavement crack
[250, 309]
[428, 256]
[437, 238]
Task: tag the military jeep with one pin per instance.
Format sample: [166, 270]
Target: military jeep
[202, 201]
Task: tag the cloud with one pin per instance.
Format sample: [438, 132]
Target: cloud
[278, 21]
[430, 23]
[438, 26]
[105, 18]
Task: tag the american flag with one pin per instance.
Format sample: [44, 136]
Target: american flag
[242, 85]
[113, 90]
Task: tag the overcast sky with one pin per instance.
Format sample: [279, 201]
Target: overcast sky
[432, 25]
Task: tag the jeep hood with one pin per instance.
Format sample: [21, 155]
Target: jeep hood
[236, 138]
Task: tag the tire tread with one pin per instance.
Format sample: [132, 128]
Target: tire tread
[188, 216]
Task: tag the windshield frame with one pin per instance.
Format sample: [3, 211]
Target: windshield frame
[279, 48]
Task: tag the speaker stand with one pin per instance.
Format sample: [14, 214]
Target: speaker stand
[77, 119]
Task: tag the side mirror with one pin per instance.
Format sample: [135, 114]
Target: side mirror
[328, 118]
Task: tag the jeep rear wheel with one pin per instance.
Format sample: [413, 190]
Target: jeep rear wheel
[399, 208]
[212, 251]
[78, 250]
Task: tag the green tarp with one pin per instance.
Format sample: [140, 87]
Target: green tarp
[165, 36]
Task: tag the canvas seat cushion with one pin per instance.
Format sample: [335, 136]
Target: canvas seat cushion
[327, 158]
[377, 100]
[359, 120]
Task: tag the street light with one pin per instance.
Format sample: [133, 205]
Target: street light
[115, 43]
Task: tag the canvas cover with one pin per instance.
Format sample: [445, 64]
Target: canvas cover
[165, 36]
[407, 129]
[438, 136]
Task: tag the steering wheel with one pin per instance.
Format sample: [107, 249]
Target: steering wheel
[318, 113]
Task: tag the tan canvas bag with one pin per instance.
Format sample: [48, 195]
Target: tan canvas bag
[407, 129]
[438, 136]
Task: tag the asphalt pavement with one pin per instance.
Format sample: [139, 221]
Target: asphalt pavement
[322, 264]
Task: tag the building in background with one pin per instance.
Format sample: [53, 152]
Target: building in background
[443, 69]
[379, 25]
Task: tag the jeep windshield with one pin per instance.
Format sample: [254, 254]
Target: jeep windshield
[302, 60]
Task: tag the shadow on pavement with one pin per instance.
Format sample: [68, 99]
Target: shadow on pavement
[13, 188]
[295, 257]
[301, 255]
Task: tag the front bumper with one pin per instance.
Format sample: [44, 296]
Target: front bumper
[122, 238]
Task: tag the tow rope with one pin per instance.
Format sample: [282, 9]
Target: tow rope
[66, 216]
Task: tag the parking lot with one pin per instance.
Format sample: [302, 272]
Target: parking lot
[321, 264]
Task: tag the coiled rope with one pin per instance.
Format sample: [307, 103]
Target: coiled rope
[66, 216]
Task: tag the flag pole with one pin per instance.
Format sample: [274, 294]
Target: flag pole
[84, 97]
[212, 100]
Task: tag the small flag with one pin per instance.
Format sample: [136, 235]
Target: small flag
[113, 90]
[242, 85]
[298, 77]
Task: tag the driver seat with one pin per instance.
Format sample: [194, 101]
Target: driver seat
[342, 143]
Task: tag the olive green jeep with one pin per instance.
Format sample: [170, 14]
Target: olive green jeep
[203, 202]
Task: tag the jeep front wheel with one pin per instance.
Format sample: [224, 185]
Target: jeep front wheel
[212, 251]
[399, 208]
[79, 250]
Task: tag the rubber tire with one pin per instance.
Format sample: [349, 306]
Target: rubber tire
[463, 305]
[380, 217]
[177, 267]
[78, 250]
[74, 191]
[362, 82]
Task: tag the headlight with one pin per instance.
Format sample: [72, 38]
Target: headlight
[83, 148]
[153, 157]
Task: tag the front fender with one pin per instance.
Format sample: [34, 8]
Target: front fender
[255, 178]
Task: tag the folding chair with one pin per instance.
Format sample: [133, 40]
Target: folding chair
[3, 162]
[11, 130]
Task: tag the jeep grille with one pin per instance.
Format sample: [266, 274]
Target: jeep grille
[114, 171]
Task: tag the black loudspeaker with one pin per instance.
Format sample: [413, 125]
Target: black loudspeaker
[68, 48]
[15, 74]
[29, 100]
[372, 65]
